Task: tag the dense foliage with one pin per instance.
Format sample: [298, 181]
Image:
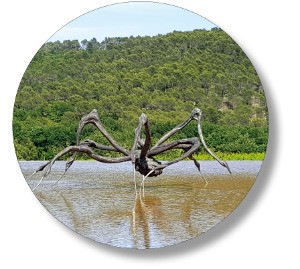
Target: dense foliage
[165, 76]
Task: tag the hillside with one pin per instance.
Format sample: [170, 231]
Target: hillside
[165, 76]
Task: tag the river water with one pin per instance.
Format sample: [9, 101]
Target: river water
[99, 200]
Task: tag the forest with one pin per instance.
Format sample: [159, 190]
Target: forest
[164, 76]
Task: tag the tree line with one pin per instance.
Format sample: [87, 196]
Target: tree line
[164, 76]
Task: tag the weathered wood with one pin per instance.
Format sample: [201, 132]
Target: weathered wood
[141, 154]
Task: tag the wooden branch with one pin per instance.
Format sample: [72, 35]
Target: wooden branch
[143, 121]
[223, 163]
[188, 153]
[178, 144]
[93, 118]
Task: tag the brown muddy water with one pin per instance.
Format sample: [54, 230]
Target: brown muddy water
[99, 201]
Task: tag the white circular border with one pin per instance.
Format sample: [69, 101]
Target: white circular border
[265, 235]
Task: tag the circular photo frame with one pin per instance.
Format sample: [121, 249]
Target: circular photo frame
[140, 125]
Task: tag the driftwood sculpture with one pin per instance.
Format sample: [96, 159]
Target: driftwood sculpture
[141, 154]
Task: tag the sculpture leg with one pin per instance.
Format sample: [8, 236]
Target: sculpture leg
[172, 132]
[197, 164]
[223, 163]
[93, 118]
[88, 143]
[184, 144]
[134, 180]
[192, 149]
[196, 115]
[143, 121]
[143, 181]
[78, 149]
[189, 149]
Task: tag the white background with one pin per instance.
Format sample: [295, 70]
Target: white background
[263, 232]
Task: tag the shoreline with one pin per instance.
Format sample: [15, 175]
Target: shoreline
[185, 167]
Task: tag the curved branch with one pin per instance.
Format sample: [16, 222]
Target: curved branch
[76, 149]
[178, 144]
[172, 132]
[194, 115]
[223, 163]
[187, 154]
[90, 153]
[143, 121]
[93, 118]
[93, 144]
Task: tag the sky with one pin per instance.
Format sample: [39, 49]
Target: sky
[131, 19]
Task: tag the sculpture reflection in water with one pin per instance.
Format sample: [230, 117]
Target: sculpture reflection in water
[172, 209]
[150, 219]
